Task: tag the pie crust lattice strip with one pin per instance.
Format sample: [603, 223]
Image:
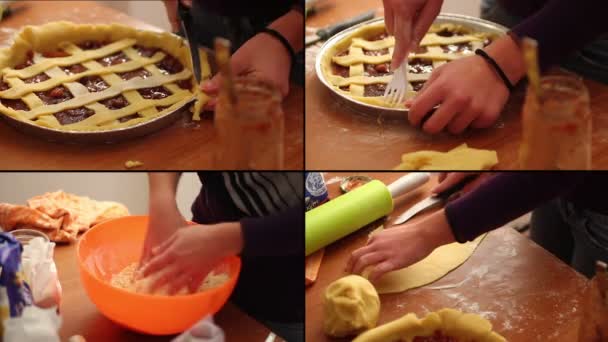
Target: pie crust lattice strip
[358, 66]
[72, 77]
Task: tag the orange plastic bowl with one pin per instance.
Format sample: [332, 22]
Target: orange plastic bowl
[112, 245]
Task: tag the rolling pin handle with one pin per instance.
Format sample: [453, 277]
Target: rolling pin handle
[408, 183]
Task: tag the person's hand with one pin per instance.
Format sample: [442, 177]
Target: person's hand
[262, 57]
[469, 94]
[190, 254]
[164, 216]
[408, 21]
[401, 246]
[164, 220]
[171, 6]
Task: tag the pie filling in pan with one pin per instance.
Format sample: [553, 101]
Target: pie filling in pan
[74, 78]
[355, 64]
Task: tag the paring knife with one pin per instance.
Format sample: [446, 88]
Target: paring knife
[188, 30]
[433, 200]
[326, 33]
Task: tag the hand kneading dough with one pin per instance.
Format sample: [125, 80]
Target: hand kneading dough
[351, 305]
[460, 158]
[450, 323]
[435, 266]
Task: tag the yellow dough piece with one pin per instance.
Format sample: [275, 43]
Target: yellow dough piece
[464, 327]
[351, 305]
[460, 158]
[435, 266]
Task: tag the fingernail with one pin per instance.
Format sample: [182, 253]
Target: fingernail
[208, 86]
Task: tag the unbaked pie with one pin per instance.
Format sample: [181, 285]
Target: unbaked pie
[358, 66]
[72, 77]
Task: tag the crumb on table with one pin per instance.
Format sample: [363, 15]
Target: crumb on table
[131, 164]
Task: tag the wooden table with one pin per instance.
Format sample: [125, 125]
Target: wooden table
[81, 317]
[360, 142]
[176, 147]
[526, 292]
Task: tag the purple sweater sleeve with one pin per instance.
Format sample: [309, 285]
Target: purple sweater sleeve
[564, 26]
[503, 198]
[275, 235]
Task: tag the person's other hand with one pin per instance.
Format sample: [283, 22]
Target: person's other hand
[469, 94]
[164, 220]
[262, 57]
[401, 246]
[171, 6]
[408, 21]
[190, 254]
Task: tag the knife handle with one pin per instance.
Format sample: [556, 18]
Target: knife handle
[408, 183]
[326, 33]
[445, 194]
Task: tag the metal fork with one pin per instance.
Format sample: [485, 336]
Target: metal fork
[397, 87]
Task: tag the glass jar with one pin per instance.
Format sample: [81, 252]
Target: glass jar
[556, 126]
[25, 235]
[250, 131]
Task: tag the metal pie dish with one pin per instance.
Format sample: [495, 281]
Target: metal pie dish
[111, 135]
[476, 24]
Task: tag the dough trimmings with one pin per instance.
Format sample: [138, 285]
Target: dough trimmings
[436, 326]
[73, 77]
[359, 65]
[462, 157]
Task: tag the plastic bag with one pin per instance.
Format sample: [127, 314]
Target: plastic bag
[15, 293]
[35, 324]
[41, 273]
[203, 331]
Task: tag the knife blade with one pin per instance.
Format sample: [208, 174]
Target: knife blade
[186, 24]
[433, 200]
[326, 33]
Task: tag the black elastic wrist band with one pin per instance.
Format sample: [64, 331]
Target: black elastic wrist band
[496, 67]
[284, 41]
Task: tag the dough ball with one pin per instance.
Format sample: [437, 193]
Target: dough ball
[351, 306]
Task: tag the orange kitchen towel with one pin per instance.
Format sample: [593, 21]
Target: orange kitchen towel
[58, 214]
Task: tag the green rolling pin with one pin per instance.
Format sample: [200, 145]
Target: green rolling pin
[347, 213]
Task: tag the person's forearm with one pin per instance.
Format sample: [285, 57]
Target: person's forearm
[503, 198]
[562, 27]
[436, 229]
[274, 235]
[291, 26]
[163, 187]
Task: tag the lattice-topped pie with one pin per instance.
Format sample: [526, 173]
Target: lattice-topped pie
[359, 65]
[73, 77]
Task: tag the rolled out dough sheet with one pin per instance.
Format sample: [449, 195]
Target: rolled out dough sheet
[440, 262]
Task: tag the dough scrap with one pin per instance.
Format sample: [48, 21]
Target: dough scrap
[464, 327]
[351, 305]
[459, 158]
[125, 280]
[435, 266]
